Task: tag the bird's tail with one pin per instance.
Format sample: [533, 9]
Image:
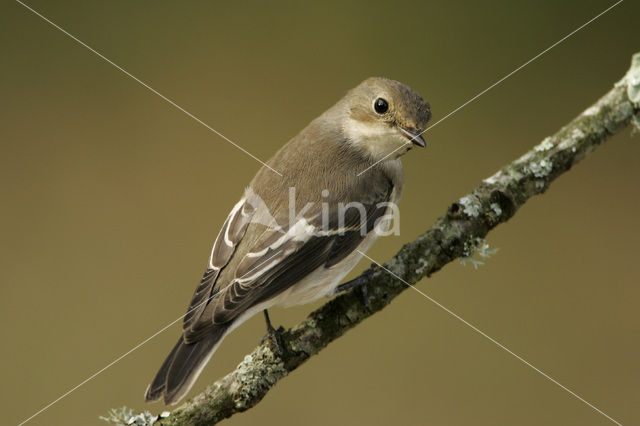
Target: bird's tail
[183, 366]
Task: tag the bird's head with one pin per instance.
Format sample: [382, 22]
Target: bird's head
[384, 118]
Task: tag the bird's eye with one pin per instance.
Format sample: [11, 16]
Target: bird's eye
[381, 106]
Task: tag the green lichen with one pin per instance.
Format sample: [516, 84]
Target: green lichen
[118, 416]
[633, 81]
[577, 134]
[545, 145]
[423, 265]
[471, 205]
[540, 168]
[496, 209]
[256, 374]
[124, 416]
[479, 246]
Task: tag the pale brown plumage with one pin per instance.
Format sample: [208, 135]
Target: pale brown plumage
[262, 258]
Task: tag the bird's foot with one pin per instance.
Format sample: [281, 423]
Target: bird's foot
[360, 282]
[273, 334]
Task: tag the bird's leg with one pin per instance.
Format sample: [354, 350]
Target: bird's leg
[274, 334]
[360, 282]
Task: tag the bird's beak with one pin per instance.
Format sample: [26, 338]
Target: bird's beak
[414, 136]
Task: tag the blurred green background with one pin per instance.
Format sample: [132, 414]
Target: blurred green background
[111, 199]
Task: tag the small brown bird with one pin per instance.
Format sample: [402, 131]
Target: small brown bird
[268, 254]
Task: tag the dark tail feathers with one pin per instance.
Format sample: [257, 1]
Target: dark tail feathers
[182, 367]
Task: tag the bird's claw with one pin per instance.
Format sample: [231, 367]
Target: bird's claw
[361, 282]
[273, 334]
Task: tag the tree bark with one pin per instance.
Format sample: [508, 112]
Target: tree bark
[455, 235]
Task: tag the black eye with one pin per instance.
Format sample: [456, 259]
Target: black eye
[381, 106]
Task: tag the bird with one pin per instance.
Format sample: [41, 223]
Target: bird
[344, 169]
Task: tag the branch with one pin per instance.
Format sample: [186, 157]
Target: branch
[455, 235]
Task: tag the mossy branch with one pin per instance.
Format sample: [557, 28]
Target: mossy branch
[466, 222]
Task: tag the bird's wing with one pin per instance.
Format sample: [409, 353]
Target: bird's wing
[280, 257]
[224, 247]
